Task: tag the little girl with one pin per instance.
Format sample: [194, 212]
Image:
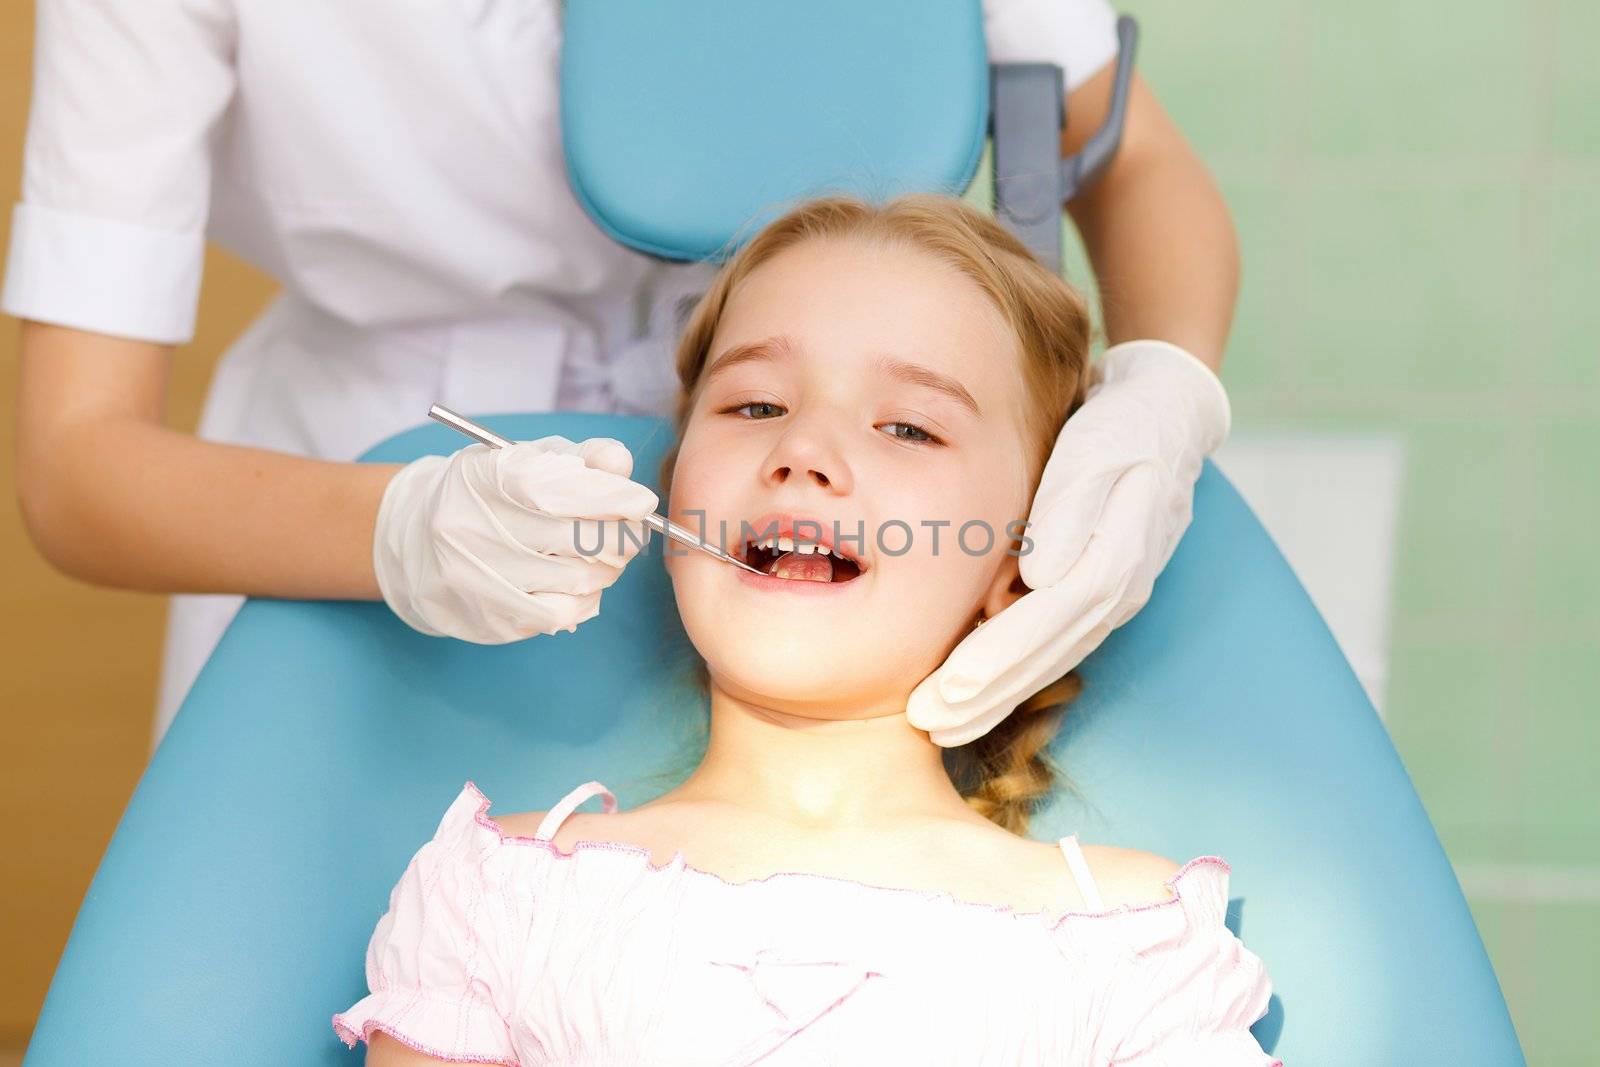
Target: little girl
[866, 391]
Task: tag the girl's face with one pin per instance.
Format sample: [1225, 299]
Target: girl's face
[879, 393]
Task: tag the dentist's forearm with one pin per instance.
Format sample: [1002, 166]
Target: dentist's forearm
[1157, 231]
[112, 496]
[144, 507]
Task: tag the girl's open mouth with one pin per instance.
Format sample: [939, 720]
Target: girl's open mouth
[798, 561]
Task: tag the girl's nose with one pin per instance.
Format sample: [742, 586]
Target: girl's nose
[810, 450]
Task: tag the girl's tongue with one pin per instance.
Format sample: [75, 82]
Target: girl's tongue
[816, 567]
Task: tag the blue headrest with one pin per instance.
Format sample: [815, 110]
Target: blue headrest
[686, 129]
[323, 741]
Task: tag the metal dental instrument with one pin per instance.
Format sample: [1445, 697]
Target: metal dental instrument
[663, 526]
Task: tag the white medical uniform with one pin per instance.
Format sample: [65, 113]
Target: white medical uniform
[398, 169]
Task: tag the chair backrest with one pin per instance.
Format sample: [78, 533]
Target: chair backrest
[322, 742]
[680, 151]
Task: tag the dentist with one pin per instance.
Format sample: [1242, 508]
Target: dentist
[402, 179]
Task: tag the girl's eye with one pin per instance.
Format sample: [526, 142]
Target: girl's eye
[917, 434]
[750, 404]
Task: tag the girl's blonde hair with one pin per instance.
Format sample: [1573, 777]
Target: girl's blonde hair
[1006, 771]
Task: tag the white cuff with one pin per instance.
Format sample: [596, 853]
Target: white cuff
[110, 277]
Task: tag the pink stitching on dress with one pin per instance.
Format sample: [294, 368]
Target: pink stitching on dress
[787, 1030]
[350, 1036]
[820, 1015]
[481, 817]
[764, 954]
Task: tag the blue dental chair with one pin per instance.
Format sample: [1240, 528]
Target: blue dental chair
[323, 740]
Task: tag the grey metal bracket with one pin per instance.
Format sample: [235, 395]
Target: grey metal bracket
[1027, 115]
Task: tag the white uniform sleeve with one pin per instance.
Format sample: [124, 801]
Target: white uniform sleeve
[110, 233]
[1079, 36]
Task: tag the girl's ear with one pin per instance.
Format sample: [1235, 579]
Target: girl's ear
[1008, 586]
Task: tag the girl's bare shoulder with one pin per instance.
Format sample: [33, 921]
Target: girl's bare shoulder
[1130, 875]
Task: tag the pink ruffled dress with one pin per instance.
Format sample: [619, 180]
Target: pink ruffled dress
[503, 949]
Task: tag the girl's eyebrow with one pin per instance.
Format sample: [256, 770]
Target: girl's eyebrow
[917, 374]
[781, 347]
[772, 348]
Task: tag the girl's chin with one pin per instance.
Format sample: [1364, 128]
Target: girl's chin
[799, 693]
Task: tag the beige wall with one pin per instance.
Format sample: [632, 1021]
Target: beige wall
[78, 686]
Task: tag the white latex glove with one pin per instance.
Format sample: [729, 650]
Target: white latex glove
[481, 544]
[1116, 495]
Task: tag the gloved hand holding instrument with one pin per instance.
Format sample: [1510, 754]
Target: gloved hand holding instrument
[483, 544]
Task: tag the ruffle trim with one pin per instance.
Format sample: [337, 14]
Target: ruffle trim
[479, 1037]
[1215, 1036]
[1209, 1050]
[1198, 903]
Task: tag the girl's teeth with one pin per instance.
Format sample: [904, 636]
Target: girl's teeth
[780, 546]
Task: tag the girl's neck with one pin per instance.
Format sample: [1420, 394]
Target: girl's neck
[833, 767]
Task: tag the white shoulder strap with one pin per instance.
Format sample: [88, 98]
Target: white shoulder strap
[557, 815]
[1080, 872]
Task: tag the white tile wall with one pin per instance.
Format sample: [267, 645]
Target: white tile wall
[1331, 502]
